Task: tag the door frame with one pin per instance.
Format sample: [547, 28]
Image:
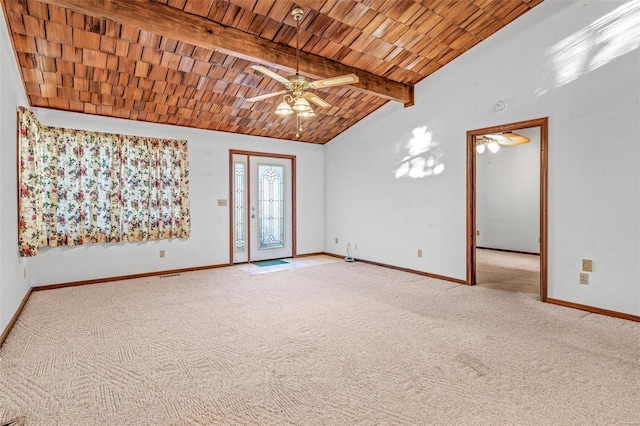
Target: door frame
[250, 154]
[543, 125]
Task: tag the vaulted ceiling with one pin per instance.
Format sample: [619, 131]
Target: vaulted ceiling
[187, 62]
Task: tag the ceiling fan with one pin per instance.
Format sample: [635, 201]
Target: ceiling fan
[494, 141]
[296, 93]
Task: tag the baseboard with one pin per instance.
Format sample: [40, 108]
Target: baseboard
[309, 254]
[127, 277]
[399, 268]
[594, 310]
[9, 326]
[587, 308]
[143, 275]
[509, 251]
[333, 255]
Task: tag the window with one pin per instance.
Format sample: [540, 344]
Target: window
[80, 187]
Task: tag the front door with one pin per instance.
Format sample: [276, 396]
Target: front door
[262, 208]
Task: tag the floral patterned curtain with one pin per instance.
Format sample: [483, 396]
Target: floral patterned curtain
[82, 182]
[155, 205]
[31, 224]
[80, 187]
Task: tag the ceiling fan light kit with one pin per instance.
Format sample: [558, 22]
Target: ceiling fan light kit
[301, 105]
[284, 109]
[307, 114]
[297, 95]
[493, 147]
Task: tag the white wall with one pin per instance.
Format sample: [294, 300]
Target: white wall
[508, 196]
[209, 181]
[13, 285]
[577, 63]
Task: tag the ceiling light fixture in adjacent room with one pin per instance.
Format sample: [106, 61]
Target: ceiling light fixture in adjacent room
[493, 142]
[489, 144]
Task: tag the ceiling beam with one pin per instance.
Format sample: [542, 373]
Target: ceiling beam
[158, 18]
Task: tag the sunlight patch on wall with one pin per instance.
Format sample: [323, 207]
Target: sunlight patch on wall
[423, 158]
[607, 38]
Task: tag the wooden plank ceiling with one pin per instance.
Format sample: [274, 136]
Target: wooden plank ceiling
[187, 62]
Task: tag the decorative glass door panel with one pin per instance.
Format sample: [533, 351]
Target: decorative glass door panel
[240, 240]
[262, 210]
[271, 221]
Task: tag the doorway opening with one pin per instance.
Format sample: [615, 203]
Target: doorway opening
[262, 206]
[474, 138]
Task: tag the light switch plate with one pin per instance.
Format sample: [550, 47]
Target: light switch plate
[584, 278]
[587, 265]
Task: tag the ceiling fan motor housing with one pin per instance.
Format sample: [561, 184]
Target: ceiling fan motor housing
[299, 83]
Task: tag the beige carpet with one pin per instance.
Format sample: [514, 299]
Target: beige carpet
[508, 271]
[335, 344]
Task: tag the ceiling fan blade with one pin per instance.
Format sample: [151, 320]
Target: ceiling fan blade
[502, 140]
[317, 100]
[334, 81]
[268, 95]
[269, 73]
[515, 139]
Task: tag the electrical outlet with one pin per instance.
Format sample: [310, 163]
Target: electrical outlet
[336, 240]
[587, 265]
[419, 252]
[478, 233]
[162, 253]
[25, 272]
[584, 278]
[222, 203]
